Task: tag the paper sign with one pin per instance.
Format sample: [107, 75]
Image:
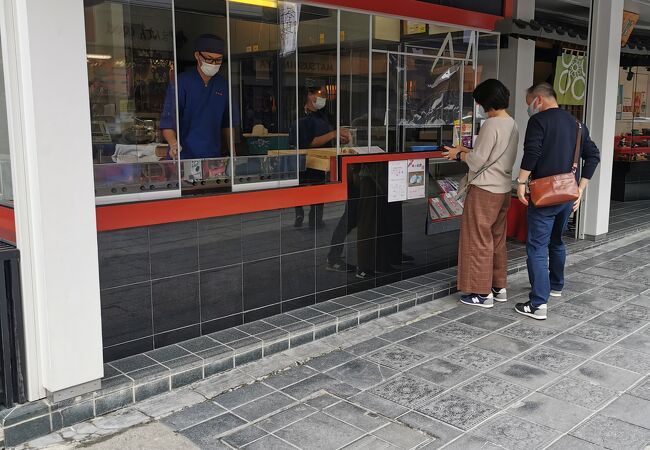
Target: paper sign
[415, 169]
[397, 181]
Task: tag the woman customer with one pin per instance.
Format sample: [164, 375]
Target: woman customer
[482, 258]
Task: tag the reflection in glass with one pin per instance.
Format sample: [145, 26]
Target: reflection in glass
[6, 191]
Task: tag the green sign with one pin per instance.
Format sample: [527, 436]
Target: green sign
[570, 82]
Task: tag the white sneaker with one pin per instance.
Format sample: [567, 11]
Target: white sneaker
[556, 293]
[500, 295]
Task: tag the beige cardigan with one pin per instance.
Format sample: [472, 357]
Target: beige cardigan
[493, 140]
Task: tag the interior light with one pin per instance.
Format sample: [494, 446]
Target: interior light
[264, 3]
[97, 56]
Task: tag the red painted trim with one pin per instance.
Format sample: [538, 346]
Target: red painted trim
[131, 215]
[7, 224]
[508, 8]
[421, 11]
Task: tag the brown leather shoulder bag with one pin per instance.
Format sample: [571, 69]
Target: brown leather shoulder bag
[557, 189]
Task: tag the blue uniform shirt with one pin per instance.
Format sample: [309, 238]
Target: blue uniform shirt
[203, 113]
[310, 126]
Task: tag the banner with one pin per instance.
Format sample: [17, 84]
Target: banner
[570, 81]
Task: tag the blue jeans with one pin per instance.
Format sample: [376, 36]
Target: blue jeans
[545, 250]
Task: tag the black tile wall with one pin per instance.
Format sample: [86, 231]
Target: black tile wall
[167, 283]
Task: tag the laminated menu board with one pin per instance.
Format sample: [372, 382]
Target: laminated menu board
[397, 181]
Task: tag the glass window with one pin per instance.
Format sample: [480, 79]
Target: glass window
[130, 56]
[6, 192]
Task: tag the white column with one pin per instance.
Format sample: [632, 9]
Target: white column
[516, 67]
[604, 56]
[47, 98]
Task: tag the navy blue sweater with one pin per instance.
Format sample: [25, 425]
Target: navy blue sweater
[550, 144]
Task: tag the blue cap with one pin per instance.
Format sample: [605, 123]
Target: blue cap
[209, 43]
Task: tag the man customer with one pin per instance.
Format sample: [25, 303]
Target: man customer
[549, 150]
[482, 257]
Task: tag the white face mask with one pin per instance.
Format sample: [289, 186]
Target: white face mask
[210, 70]
[480, 112]
[320, 103]
[534, 108]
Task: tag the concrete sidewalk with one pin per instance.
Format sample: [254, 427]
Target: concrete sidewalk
[437, 375]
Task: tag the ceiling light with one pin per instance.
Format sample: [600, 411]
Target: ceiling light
[264, 3]
[97, 56]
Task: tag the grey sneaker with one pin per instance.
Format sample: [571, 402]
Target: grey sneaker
[478, 300]
[500, 295]
[556, 293]
[527, 309]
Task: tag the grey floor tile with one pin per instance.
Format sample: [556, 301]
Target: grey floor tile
[398, 357]
[528, 332]
[322, 401]
[492, 391]
[457, 312]
[457, 410]
[407, 391]
[503, 345]
[610, 319]
[573, 443]
[367, 346]
[133, 363]
[641, 300]
[318, 382]
[486, 321]
[430, 322]
[605, 375]
[329, 360]
[361, 374]
[263, 406]
[549, 358]
[290, 376]
[206, 433]
[475, 358]
[193, 415]
[400, 333]
[626, 359]
[591, 301]
[549, 411]
[580, 392]
[638, 341]
[242, 395]
[629, 409]
[458, 331]
[401, 436]
[642, 390]
[440, 432]
[576, 345]
[598, 332]
[523, 374]
[515, 433]
[468, 442]
[370, 442]
[286, 417]
[613, 433]
[431, 344]
[357, 416]
[270, 442]
[443, 373]
[245, 436]
[377, 404]
[329, 432]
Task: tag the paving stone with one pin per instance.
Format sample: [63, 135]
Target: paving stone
[286, 417]
[612, 433]
[579, 392]
[443, 373]
[322, 401]
[551, 359]
[431, 344]
[357, 416]
[637, 342]
[524, 374]
[25, 431]
[475, 358]
[401, 436]
[370, 442]
[407, 391]
[486, 321]
[502, 345]
[377, 404]
[290, 376]
[439, 432]
[457, 410]
[361, 374]
[269, 442]
[572, 310]
[492, 391]
[400, 333]
[467, 442]
[430, 322]
[598, 333]
[629, 409]
[242, 395]
[193, 415]
[367, 346]
[528, 332]
[549, 411]
[642, 390]
[397, 357]
[329, 360]
[610, 319]
[607, 271]
[605, 375]
[458, 312]
[593, 280]
[641, 300]
[576, 345]
[515, 433]
[329, 432]
[206, 433]
[573, 443]
[626, 359]
[163, 405]
[458, 331]
[245, 436]
[263, 406]
[633, 312]
[591, 301]
[311, 385]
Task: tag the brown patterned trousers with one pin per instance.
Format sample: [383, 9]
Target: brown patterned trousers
[482, 256]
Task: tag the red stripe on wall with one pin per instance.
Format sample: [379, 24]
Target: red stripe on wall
[7, 224]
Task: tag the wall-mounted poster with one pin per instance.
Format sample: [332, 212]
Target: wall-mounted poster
[415, 169]
[397, 181]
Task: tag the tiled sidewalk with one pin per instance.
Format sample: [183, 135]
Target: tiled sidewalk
[440, 375]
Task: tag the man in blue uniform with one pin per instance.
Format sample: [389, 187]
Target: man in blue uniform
[204, 118]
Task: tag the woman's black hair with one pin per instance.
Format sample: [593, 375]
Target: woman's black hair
[492, 94]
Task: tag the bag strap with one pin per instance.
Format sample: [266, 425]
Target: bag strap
[576, 155]
[487, 166]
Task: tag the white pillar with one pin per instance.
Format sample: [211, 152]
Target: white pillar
[604, 56]
[49, 122]
[516, 67]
